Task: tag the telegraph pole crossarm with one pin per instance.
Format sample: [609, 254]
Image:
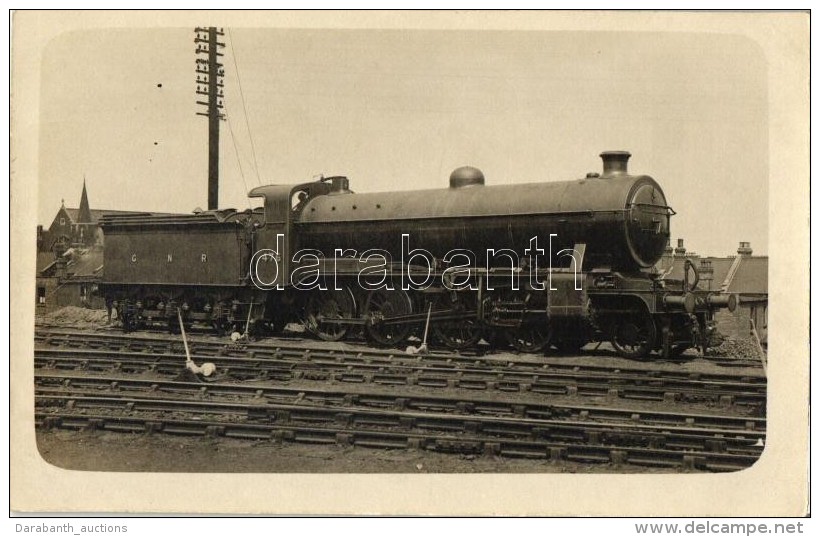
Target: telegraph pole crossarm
[209, 83]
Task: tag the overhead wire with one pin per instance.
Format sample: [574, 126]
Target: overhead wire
[244, 107]
[236, 151]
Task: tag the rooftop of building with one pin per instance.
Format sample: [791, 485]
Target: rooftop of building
[742, 273]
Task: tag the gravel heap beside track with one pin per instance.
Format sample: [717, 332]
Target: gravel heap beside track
[77, 317]
[736, 348]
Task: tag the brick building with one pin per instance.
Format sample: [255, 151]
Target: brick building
[744, 274]
[70, 257]
[72, 228]
[70, 280]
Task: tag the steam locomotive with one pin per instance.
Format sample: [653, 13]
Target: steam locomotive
[539, 265]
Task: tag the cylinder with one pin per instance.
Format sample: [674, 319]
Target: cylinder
[685, 302]
[724, 300]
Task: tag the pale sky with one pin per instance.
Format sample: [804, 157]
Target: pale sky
[399, 110]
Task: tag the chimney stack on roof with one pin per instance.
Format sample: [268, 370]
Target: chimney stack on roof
[744, 249]
[707, 272]
[680, 250]
[61, 268]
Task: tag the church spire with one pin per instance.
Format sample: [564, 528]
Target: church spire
[84, 214]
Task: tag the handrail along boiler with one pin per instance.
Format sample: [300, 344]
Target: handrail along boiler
[533, 265]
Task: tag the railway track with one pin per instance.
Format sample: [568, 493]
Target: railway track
[147, 338]
[88, 380]
[88, 385]
[290, 364]
[377, 420]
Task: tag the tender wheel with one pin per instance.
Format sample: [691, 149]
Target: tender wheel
[381, 306]
[219, 328]
[173, 326]
[530, 338]
[219, 319]
[127, 313]
[462, 333]
[129, 322]
[633, 336]
[324, 306]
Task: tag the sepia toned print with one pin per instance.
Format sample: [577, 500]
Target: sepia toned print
[377, 251]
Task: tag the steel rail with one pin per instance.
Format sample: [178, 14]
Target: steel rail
[581, 431]
[574, 381]
[345, 434]
[86, 338]
[408, 401]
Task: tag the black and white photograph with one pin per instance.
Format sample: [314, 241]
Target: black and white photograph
[415, 256]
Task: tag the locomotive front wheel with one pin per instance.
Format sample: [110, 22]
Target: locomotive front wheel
[634, 336]
[497, 338]
[457, 334]
[325, 306]
[570, 344]
[530, 338]
[678, 350]
[382, 304]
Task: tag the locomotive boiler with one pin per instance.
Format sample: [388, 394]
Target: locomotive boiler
[622, 219]
[546, 264]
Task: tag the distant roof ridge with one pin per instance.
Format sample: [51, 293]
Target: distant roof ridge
[731, 274]
[96, 214]
[733, 256]
[105, 210]
[751, 277]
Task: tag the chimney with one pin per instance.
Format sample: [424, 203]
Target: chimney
[706, 269]
[744, 249]
[668, 250]
[680, 250]
[707, 273]
[60, 268]
[615, 163]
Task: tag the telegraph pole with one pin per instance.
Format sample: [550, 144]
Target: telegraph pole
[209, 76]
